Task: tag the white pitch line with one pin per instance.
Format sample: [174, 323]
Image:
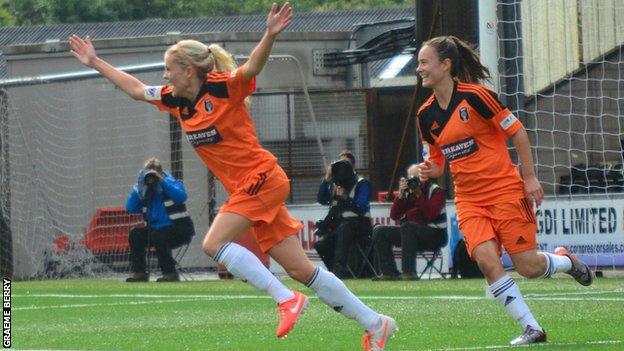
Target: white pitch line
[486, 347]
[555, 296]
[82, 305]
[574, 293]
[156, 296]
[184, 298]
[545, 345]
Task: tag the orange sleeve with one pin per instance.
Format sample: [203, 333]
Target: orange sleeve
[506, 122]
[162, 97]
[239, 87]
[432, 153]
[489, 106]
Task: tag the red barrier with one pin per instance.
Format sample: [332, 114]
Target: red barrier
[109, 229]
[382, 195]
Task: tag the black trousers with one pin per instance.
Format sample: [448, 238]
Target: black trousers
[412, 238]
[335, 247]
[163, 240]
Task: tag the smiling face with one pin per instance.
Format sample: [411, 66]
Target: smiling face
[178, 75]
[431, 70]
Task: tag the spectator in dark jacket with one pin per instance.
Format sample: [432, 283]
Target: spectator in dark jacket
[420, 207]
[349, 201]
[160, 197]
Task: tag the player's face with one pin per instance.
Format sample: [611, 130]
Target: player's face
[430, 69]
[177, 75]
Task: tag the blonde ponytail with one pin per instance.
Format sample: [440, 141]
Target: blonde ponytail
[204, 58]
[223, 60]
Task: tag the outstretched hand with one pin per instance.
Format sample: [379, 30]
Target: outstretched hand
[82, 49]
[277, 21]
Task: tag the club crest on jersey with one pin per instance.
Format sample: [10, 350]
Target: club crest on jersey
[208, 106]
[463, 114]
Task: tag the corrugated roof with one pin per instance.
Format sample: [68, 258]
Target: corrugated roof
[303, 22]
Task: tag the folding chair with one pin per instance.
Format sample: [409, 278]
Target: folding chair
[179, 255]
[365, 249]
[434, 261]
[182, 272]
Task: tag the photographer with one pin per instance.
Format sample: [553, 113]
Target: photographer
[420, 206]
[348, 218]
[160, 197]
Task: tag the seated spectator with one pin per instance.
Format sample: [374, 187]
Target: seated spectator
[348, 219]
[420, 207]
[160, 197]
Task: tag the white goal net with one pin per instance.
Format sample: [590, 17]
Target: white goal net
[561, 70]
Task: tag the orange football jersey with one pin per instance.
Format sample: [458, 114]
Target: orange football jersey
[219, 127]
[471, 135]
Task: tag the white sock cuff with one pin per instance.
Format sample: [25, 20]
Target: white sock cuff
[222, 251]
[558, 263]
[314, 277]
[549, 265]
[501, 285]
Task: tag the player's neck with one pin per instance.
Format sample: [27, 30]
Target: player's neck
[193, 90]
[443, 92]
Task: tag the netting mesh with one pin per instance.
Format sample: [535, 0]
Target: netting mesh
[561, 70]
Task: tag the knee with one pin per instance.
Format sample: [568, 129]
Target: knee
[377, 234]
[210, 247]
[490, 268]
[406, 227]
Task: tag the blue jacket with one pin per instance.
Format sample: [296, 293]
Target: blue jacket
[156, 215]
[359, 204]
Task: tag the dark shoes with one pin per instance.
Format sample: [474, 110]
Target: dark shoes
[144, 277]
[138, 277]
[580, 271]
[169, 277]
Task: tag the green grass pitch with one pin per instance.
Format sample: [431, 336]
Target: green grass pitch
[231, 315]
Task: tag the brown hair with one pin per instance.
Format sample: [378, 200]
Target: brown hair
[465, 63]
[348, 154]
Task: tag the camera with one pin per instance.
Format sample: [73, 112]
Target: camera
[151, 177]
[321, 227]
[343, 174]
[329, 223]
[413, 182]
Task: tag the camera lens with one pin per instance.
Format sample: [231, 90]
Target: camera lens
[150, 178]
[413, 182]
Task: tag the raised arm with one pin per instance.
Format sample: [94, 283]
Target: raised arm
[83, 50]
[276, 22]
